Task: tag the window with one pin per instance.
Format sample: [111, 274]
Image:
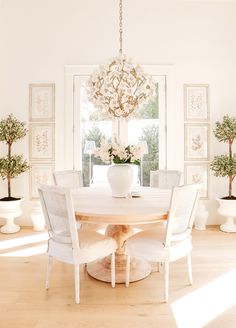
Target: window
[147, 124]
[84, 122]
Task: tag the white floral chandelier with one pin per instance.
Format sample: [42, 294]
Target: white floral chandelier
[120, 86]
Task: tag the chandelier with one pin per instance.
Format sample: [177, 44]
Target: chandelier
[120, 86]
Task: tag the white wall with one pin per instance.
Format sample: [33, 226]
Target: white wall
[41, 36]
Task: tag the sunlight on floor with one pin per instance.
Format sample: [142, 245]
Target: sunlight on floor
[26, 252]
[21, 241]
[206, 303]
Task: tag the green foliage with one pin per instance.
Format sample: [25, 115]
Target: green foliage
[226, 131]
[96, 135]
[11, 166]
[149, 110]
[11, 130]
[225, 165]
[150, 160]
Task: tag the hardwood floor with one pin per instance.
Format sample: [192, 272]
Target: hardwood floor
[210, 302]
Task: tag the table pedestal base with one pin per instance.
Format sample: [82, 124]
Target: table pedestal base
[101, 269]
[98, 271]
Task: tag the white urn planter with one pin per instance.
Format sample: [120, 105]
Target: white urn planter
[227, 208]
[120, 178]
[9, 210]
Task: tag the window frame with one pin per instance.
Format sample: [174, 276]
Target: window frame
[72, 151]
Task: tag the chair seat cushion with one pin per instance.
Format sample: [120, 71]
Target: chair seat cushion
[149, 244]
[92, 246]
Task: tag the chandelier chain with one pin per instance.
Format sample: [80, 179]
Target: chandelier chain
[120, 25]
[120, 86]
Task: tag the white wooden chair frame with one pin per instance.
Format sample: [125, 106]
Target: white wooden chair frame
[73, 250]
[164, 255]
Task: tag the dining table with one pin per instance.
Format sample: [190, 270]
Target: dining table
[122, 216]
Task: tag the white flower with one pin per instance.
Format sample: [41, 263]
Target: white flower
[119, 81]
[119, 153]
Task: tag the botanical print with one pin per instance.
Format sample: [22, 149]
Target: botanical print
[42, 102]
[196, 142]
[198, 173]
[196, 102]
[40, 174]
[42, 145]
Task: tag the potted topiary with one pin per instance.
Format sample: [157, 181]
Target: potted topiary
[11, 166]
[225, 166]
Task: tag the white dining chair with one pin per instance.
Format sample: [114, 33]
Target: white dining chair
[165, 179]
[66, 243]
[73, 179]
[172, 242]
[68, 178]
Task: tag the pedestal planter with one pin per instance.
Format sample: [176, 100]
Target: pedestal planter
[9, 210]
[227, 208]
[120, 178]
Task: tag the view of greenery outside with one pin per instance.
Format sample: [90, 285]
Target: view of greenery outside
[149, 111]
[150, 161]
[147, 121]
[96, 135]
[150, 134]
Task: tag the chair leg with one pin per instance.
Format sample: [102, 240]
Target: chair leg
[166, 281]
[127, 276]
[189, 262]
[49, 268]
[77, 283]
[113, 270]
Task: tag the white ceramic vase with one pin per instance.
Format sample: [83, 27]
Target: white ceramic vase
[9, 210]
[120, 178]
[228, 209]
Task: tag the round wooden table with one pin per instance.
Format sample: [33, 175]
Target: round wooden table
[96, 205]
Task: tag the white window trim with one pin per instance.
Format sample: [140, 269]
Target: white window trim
[84, 70]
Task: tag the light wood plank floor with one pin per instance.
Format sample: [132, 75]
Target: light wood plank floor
[210, 302]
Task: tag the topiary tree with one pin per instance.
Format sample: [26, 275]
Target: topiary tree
[11, 166]
[225, 165]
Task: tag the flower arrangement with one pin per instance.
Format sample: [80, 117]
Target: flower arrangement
[119, 154]
[225, 165]
[120, 87]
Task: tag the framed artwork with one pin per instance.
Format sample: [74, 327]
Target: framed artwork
[198, 173]
[196, 142]
[42, 102]
[40, 173]
[196, 102]
[41, 140]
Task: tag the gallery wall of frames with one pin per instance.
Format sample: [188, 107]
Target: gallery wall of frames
[41, 135]
[197, 136]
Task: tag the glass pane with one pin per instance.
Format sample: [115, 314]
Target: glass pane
[94, 127]
[144, 126]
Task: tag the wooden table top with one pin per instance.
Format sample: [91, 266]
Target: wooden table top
[96, 205]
